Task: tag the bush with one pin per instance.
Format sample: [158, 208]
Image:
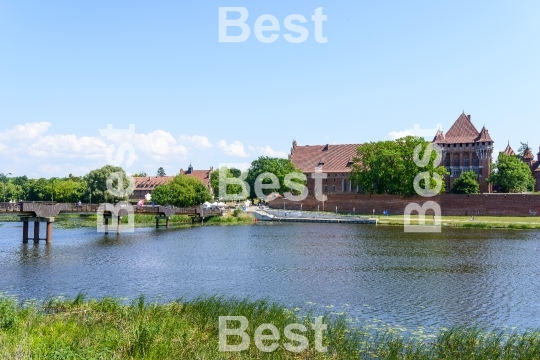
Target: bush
[237, 212]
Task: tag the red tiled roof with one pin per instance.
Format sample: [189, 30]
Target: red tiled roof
[484, 135]
[528, 155]
[463, 131]
[202, 175]
[330, 158]
[509, 150]
[150, 182]
[439, 137]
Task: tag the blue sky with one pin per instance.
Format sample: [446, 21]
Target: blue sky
[67, 69]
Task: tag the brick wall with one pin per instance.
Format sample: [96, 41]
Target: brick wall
[451, 204]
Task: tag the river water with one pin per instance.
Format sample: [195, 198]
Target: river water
[486, 278]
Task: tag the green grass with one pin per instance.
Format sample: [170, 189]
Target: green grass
[231, 219]
[110, 329]
[479, 222]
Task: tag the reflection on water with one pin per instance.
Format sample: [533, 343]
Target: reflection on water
[472, 277]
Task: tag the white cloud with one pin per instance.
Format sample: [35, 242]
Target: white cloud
[26, 131]
[393, 135]
[198, 141]
[268, 151]
[234, 149]
[67, 146]
[157, 144]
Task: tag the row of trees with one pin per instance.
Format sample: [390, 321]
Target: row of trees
[89, 188]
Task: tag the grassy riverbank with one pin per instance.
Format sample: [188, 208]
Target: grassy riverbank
[479, 222]
[107, 329]
[70, 221]
[67, 221]
[236, 218]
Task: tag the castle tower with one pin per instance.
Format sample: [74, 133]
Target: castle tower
[466, 149]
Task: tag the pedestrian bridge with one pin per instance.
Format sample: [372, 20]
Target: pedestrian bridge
[45, 212]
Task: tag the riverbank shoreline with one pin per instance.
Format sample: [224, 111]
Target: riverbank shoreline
[108, 328]
[478, 222]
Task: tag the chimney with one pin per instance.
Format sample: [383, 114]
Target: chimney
[469, 117]
[325, 148]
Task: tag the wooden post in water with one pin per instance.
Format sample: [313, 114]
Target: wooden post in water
[118, 225]
[106, 224]
[167, 222]
[36, 231]
[25, 232]
[49, 231]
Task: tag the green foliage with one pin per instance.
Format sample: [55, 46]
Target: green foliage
[161, 172]
[277, 166]
[522, 149]
[140, 174]
[512, 174]
[231, 188]
[388, 167]
[106, 329]
[237, 212]
[182, 191]
[97, 184]
[7, 313]
[467, 183]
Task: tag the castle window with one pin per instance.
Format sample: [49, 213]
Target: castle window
[325, 188]
[333, 188]
[456, 162]
[466, 163]
[344, 186]
[475, 162]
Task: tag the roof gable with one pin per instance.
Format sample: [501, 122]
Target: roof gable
[329, 158]
[484, 135]
[509, 150]
[463, 131]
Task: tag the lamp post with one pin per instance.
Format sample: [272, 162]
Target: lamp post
[5, 179]
[52, 194]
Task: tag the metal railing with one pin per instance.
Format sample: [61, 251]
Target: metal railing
[6, 207]
[312, 214]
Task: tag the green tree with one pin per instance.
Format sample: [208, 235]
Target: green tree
[37, 190]
[231, 188]
[96, 182]
[277, 166]
[388, 167]
[182, 191]
[522, 149]
[69, 191]
[466, 183]
[161, 172]
[512, 174]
